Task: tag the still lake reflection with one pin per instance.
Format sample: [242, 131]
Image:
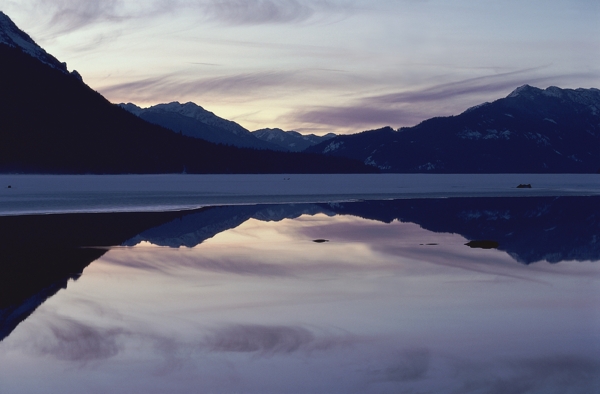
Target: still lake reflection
[240, 299]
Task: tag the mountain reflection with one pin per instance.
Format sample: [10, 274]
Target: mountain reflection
[528, 229]
[40, 254]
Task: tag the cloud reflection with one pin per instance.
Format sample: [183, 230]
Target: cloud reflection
[553, 373]
[270, 340]
[410, 365]
[75, 341]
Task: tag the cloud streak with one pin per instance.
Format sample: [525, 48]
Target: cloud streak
[404, 108]
[173, 86]
[65, 16]
[69, 15]
[260, 12]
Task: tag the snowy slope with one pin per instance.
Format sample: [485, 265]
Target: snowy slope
[12, 36]
[194, 121]
[532, 130]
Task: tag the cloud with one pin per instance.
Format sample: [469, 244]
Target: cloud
[257, 12]
[173, 86]
[357, 115]
[69, 15]
[65, 16]
[489, 84]
[405, 108]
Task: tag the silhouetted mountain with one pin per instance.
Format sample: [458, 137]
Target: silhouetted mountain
[530, 131]
[290, 140]
[51, 122]
[194, 121]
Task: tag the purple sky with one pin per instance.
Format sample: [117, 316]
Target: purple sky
[319, 65]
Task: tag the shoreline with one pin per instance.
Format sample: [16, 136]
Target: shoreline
[52, 194]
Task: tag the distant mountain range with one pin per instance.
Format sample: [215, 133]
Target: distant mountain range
[291, 140]
[530, 131]
[51, 122]
[194, 121]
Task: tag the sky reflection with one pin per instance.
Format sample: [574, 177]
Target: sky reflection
[260, 308]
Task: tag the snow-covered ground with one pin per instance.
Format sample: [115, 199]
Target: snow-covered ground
[30, 194]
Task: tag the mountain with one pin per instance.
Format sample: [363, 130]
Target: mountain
[290, 140]
[530, 131]
[52, 122]
[194, 121]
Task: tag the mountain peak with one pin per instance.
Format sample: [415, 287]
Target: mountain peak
[14, 37]
[524, 90]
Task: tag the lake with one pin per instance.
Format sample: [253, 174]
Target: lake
[487, 291]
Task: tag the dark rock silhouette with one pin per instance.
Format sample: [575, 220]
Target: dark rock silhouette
[483, 244]
[524, 186]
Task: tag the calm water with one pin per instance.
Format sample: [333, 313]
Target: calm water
[240, 299]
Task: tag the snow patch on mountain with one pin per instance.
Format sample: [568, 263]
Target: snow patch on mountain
[333, 146]
[489, 134]
[588, 97]
[476, 107]
[290, 140]
[370, 162]
[12, 36]
[194, 111]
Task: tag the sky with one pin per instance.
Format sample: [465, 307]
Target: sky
[319, 66]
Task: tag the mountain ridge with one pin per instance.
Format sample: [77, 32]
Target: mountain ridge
[194, 121]
[290, 140]
[531, 130]
[75, 130]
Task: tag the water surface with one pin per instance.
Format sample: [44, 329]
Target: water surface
[240, 299]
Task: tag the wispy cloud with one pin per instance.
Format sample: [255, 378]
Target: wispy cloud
[65, 16]
[176, 87]
[256, 12]
[357, 115]
[405, 108]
